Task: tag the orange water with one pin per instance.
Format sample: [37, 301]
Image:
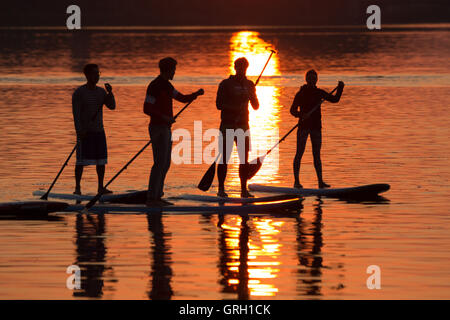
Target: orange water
[391, 126]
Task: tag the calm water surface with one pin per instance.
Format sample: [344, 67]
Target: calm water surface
[391, 126]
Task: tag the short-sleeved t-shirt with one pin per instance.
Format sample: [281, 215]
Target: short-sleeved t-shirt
[160, 93]
[87, 108]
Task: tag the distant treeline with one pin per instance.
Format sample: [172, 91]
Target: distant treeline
[220, 12]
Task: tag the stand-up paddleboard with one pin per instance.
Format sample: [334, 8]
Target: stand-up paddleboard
[361, 192]
[210, 198]
[269, 208]
[135, 197]
[63, 196]
[140, 197]
[30, 208]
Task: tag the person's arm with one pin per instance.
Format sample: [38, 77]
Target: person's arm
[76, 110]
[149, 102]
[186, 98]
[253, 97]
[221, 100]
[337, 96]
[110, 102]
[295, 104]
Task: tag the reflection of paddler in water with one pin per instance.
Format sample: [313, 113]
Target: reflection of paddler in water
[309, 254]
[87, 106]
[161, 274]
[226, 257]
[232, 100]
[309, 99]
[232, 240]
[91, 253]
[158, 105]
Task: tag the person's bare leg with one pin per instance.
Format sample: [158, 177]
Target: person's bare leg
[316, 141]
[78, 175]
[167, 160]
[222, 167]
[302, 137]
[221, 175]
[101, 176]
[243, 171]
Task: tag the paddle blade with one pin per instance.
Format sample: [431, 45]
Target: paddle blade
[208, 178]
[44, 196]
[253, 168]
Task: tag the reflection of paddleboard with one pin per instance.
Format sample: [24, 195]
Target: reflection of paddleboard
[30, 208]
[266, 208]
[367, 191]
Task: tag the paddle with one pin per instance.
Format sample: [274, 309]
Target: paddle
[45, 196]
[253, 167]
[267, 62]
[98, 195]
[208, 178]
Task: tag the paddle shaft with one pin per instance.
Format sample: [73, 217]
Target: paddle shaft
[267, 62]
[95, 199]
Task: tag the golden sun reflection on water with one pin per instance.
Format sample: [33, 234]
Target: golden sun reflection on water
[248, 44]
[264, 122]
[252, 260]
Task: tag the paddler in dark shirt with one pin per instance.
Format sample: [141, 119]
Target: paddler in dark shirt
[158, 105]
[232, 100]
[308, 98]
[87, 107]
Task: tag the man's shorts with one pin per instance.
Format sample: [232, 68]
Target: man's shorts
[92, 149]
